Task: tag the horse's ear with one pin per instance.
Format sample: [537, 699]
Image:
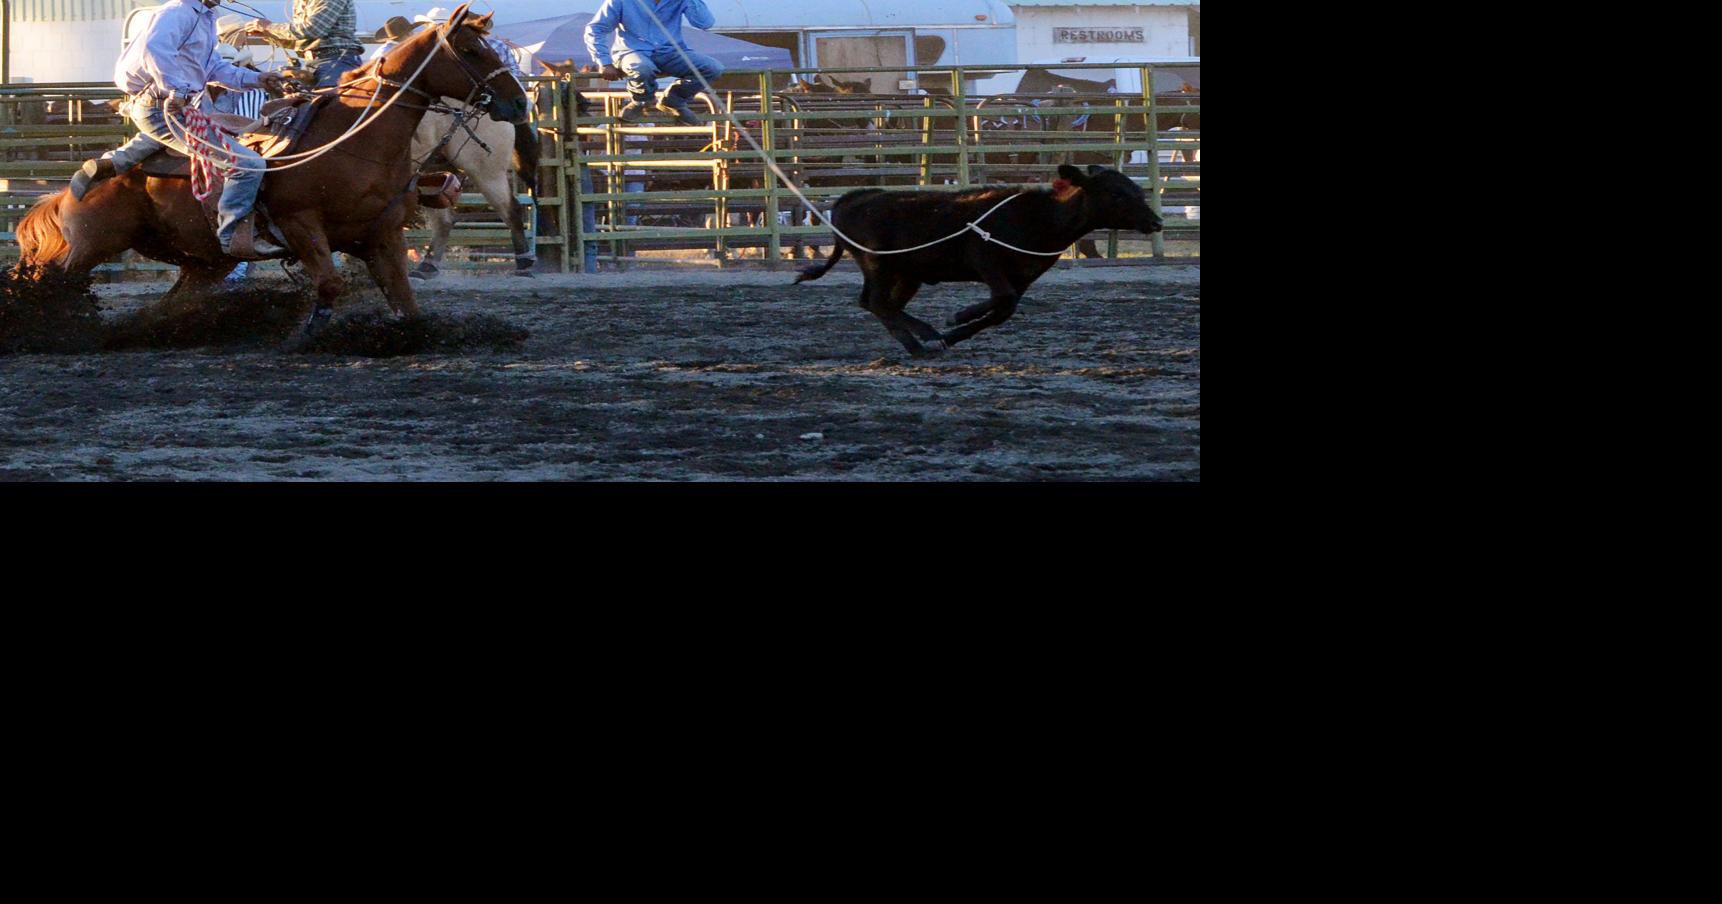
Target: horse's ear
[1095, 169]
[459, 17]
[482, 23]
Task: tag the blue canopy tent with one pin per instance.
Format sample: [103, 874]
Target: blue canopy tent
[562, 38]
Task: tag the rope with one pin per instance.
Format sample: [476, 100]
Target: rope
[192, 141]
[208, 167]
[790, 183]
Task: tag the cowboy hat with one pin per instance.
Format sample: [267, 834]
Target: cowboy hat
[238, 56]
[396, 29]
[436, 16]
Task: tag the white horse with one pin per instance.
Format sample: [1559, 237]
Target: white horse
[486, 152]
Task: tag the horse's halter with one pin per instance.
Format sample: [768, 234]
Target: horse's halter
[481, 95]
[480, 84]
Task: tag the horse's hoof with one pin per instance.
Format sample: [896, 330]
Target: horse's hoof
[419, 274]
[319, 318]
[932, 349]
[526, 273]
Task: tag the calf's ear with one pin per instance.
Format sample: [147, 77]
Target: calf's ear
[1066, 171]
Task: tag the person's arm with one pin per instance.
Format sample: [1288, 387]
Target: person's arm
[171, 73]
[228, 75]
[320, 19]
[602, 29]
[698, 14]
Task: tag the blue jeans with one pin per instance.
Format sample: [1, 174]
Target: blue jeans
[643, 71]
[328, 72]
[238, 194]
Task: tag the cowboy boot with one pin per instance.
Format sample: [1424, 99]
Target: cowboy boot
[246, 247]
[675, 103]
[90, 173]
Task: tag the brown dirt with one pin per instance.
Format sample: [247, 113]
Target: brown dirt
[686, 376]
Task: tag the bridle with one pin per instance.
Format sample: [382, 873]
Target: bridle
[481, 96]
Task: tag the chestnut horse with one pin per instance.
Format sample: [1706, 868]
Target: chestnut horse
[353, 199]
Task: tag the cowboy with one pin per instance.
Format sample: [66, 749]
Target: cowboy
[172, 62]
[394, 31]
[323, 31]
[648, 50]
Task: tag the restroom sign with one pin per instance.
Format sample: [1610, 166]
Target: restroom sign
[1098, 36]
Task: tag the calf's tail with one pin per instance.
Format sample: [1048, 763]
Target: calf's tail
[818, 270]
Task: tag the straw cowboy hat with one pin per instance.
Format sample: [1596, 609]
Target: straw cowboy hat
[396, 29]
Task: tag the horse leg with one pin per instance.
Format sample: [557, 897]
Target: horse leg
[308, 242]
[200, 278]
[499, 193]
[388, 264]
[440, 223]
[999, 309]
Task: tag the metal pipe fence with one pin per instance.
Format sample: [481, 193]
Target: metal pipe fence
[618, 193]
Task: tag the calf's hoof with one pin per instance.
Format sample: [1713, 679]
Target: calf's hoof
[932, 349]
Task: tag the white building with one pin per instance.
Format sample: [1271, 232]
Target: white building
[78, 40]
[1060, 29]
[64, 40]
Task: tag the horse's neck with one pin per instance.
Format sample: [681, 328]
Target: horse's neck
[387, 138]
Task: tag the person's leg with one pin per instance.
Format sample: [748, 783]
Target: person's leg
[239, 195]
[671, 63]
[328, 72]
[676, 100]
[133, 152]
[642, 76]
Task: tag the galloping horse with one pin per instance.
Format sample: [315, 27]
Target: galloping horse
[354, 198]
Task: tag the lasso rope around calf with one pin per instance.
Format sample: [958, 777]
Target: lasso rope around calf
[790, 183]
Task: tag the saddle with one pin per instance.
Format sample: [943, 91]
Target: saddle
[284, 121]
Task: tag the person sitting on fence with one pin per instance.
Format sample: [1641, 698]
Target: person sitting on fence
[172, 62]
[648, 50]
[322, 31]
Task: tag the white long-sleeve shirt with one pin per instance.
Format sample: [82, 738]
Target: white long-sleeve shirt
[176, 55]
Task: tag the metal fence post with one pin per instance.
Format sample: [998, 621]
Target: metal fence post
[768, 126]
[1154, 183]
[962, 127]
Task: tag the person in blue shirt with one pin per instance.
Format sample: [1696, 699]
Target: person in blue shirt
[171, 63]
[648, 51]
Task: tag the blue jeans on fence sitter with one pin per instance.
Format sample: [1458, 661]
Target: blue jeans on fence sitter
[643, 71]
[238, 193]
[328, 72]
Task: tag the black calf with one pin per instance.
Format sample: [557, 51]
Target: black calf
[1045, 221]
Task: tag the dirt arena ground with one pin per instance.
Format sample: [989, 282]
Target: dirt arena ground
[704, 375]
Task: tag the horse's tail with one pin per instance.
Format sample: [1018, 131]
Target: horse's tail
[818, 270]
[526, 154]
[39, 238]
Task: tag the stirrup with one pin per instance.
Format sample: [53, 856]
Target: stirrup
[246, 247]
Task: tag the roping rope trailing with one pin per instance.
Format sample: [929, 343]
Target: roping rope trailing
[790, 183]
